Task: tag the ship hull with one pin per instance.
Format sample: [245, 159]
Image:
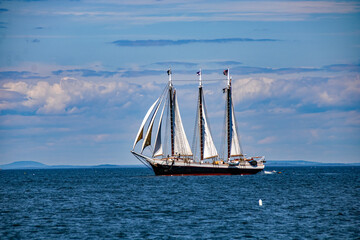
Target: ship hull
[179, 167]
[191, 170]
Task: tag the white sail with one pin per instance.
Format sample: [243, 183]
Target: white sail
[181, 143]
[139, 135]
[235, 143]
[158, 150]
[147, 139]
[209, 146]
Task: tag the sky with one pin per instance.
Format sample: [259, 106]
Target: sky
[77, 77]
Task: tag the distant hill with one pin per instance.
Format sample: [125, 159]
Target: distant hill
[269, 163]
[24, 164]
[300, 163]
[38, 165]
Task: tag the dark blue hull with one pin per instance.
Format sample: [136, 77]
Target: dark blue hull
[203, 170]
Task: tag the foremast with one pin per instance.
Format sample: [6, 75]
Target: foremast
[179, 143]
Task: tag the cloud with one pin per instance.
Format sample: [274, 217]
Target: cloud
[337, 91]
[228, 63]
[86, 72]
[66, 96]
[183, 68]
[14, 74]
[341, 91]
[195, 65]
[252, 88]
[148, 12]
[267, 140]
[342, 67]
[141, 73]
[282, 7]
[244, 70]
[3, 10]
[165, 42]
[176, 64]
[303, 89]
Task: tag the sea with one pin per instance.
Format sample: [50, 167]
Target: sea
[133, 203]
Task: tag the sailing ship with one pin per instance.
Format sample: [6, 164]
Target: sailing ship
[170, 151]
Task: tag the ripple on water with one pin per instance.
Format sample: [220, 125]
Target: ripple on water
[300, 203]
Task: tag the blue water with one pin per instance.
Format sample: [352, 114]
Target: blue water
[300, 203]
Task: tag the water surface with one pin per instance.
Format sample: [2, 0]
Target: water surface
[300, 203]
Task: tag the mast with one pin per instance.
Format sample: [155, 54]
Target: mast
[207, 147]
[171, 103]
[228, 113]
[201, 124]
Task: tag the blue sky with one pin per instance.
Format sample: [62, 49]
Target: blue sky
[77, 77]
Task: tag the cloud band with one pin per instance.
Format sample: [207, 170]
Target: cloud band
[167, 42]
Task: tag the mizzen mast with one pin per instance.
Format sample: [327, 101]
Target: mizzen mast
[172, 114]
[228, 113]
[233, 141]
[201, 118]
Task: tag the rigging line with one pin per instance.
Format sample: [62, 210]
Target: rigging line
[167, 126]
[152, 119]
[223, 135]
[195, 134]
[237, 130]
[164, 91]
[204, 80]
[208, 123]
[142, 161]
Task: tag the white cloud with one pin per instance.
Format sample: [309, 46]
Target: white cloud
[325, 98]
[337, 91]
[171, 11]
[64, 96]
[252, 88]
[298, 91]
[267, 140]
[286, 92]
[290, 7]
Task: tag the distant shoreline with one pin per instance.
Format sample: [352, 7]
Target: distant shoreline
[270, 163]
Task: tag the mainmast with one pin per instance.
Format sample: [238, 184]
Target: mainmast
[207, 147]
[201, 118]
[171, 104]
